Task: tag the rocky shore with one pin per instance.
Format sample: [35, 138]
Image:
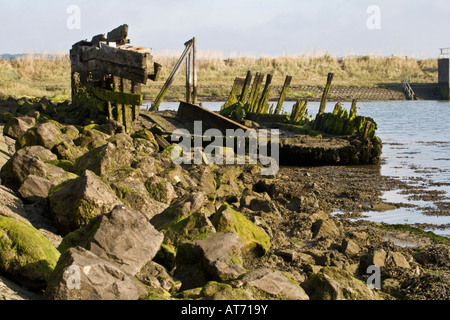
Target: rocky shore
[93, 212]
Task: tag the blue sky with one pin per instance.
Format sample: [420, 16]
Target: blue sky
[258, 27]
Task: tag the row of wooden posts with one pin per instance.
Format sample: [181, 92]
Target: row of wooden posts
[255, 101]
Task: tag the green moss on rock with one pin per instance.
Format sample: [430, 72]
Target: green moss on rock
[228, 220]
[25, 252]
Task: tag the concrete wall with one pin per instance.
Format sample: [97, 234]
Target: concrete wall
[444, 77]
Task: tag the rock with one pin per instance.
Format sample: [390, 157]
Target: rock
[325, 229]
[77, 201]
[147, 135]
[38, 151]
[19, 167]
[219, 256]
[104, 160]
[25, 253]
[47, 134]
[17, 126]
[180, 209]
[333, 283]
[71, 131]
[156, 276]
[391, 286]
[160, 190]
[67, 150]
[121, 140]
[376, 257]
[91, 139]
[34, 188]
[349, 247]
[254, 238]
[123, 237]
[98, 279]
[10, 290]
[438, 255]
[221, 291]
[272, 284]
[134, 193]
[398, 259]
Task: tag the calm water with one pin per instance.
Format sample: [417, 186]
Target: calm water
[416, 149]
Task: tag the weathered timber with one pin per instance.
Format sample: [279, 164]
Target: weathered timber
[118, 35]
[284, 90]
[234, 94]
[265, 95]
[245, 90]
[254, 94]
[326, 91]
[169, 81]
[191, 112]
[188, 78]
[194, 70]
[353, 109]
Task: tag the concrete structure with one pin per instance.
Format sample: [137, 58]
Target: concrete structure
[444, 74]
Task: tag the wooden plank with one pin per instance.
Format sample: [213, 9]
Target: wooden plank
[137, 75]
[118, 97]
[246, 88]
[287, 83]
[210, 119]
[123, 57]
[160, 121]
[118, 35]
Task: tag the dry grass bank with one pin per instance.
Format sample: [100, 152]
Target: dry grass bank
[40, 76]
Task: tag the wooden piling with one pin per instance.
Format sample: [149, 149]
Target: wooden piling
[353, 109]
[326, 91]
[234, 94]
[284, 90]
[265, 95]
[188, 78]
[254, 94]
[246, 88]
[194, 70]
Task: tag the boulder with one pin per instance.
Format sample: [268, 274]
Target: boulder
[376, 257]
[104, 160]
[221, 291]
[160, 189]
[156, 276]
[145, 134]
[19, 167]
[254, 238]
[17, 126]
[47, 134]
[91, 139]
[333, 283]
[349, 247]
[66, 150]
[34, 188]
[180, 209]
[25, 253]
[38, 151]
[121, 141]
[133, 192]
[325, 229]
[75, 202]
[398, 259]
[123, 237]
[218, 257]
[81, 275]
[269, 284]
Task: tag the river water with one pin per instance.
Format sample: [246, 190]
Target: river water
[416, 150]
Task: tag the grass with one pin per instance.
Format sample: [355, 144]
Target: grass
[37, 76]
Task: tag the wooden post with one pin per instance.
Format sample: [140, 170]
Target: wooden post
[245, 89]
[235, 90]
[194, 70]
[169, 81]
[265, 94]
[326, 91]
[188, 78]
[255, 92]
[287, 83]
[353, 109]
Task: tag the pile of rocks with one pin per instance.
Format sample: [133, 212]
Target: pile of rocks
[118, 219]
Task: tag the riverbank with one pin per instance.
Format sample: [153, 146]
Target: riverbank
[112, 188]
[367, 78]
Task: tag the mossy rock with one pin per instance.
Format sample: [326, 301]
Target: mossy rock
[333, 283]
[221, 291]
[25, 253]
[255, 239]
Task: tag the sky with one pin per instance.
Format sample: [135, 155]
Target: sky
[415, 28]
